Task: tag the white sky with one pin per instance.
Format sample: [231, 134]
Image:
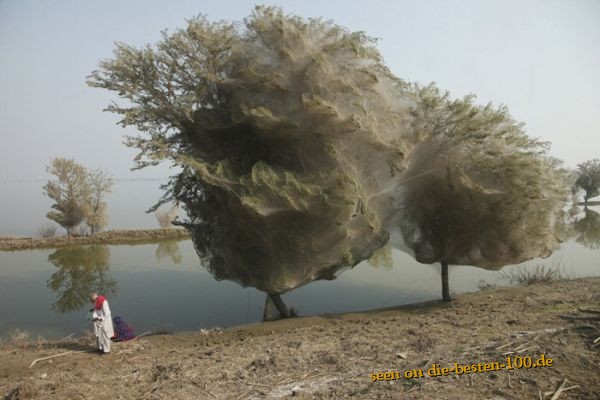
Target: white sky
[541, 58]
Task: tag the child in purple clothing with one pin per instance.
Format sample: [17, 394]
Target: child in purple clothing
[123, 331]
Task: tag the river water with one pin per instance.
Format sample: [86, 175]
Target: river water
[164, 286]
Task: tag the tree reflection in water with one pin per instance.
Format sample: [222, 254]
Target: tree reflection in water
[81, 270]
[168, 248]
[588, 230]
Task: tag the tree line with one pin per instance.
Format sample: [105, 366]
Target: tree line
[79, 192]
[79, 199]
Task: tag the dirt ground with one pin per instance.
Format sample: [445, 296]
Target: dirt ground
[124, 236]
[333, 356]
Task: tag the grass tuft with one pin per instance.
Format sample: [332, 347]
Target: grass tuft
[526, 276]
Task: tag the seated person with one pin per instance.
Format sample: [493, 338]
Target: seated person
[123, 330]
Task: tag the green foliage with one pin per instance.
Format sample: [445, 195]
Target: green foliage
[302, 154]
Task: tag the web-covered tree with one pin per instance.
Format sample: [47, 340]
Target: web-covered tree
[301, 154]
[166, 217]
[101, 183]
[78, 195]
[70, 192]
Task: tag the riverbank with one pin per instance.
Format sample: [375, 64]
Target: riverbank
[333, 356]
[112, 237]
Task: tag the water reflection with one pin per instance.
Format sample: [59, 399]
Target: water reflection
[170, 249]
[81, 270]
[587, 230]
[183, 295]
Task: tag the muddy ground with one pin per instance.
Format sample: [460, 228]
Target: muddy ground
[332, 356]
[124, 236]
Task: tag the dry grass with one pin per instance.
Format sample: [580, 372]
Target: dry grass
[332, 356]
[21, 339]
[540, 274]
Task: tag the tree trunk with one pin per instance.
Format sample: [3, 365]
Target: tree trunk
[445, 283]
[275, 308]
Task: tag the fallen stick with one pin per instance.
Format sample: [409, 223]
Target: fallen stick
[427, 364]
[522, 346]
[559, 390]
[589, 310]
[524, 350]
[543, 331]
[564, 390]
[150, 391]
[504, 345]
[582, 327]
[243, 395]
[57, 355]
[581, 317]
[67, 337]
[257, 384]
[137, 337]
[142, 335]
[408, 391]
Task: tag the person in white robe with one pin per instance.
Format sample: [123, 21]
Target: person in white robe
[102, 322]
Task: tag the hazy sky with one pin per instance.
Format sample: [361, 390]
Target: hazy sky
[541, 58]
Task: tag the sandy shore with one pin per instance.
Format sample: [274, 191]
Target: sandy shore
[333, 356]
[126, 236]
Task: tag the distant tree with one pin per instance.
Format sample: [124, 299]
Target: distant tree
[70, 192]
[166, 217]
[589, 178]
[79, 196]
[47, 230]
[100, 183]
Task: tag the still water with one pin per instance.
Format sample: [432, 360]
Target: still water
[163, 286]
